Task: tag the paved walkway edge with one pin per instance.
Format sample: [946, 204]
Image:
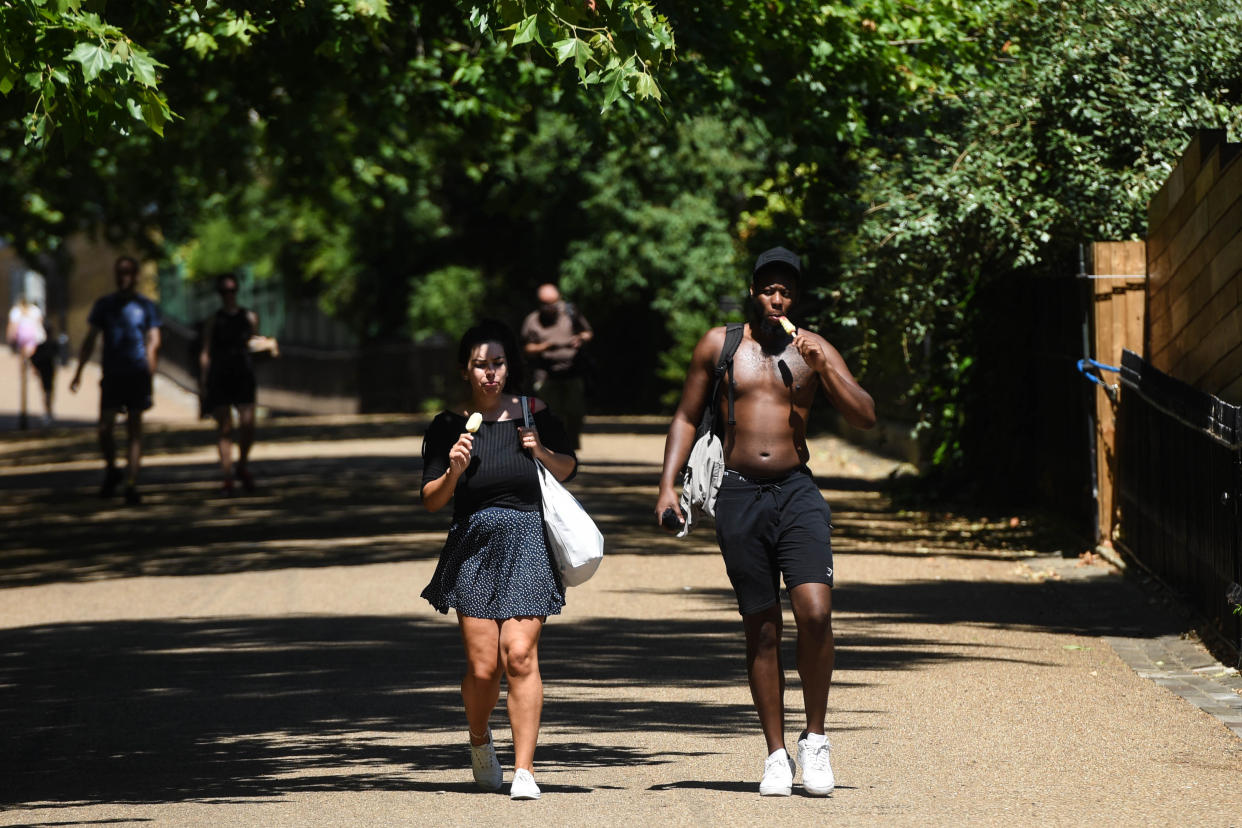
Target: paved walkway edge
[1185, 667]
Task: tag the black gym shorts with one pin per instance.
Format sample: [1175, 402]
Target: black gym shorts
[125, 391]
[771, 527]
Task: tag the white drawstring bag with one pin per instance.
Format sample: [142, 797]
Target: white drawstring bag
[575, 540]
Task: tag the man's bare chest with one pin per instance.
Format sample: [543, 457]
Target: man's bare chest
[784, 373]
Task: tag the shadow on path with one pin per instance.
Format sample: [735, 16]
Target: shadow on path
[249, 708]
[173, 710]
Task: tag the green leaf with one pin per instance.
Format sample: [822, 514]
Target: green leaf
[144, 68]
[566, 49]
[93, 57]
[646, 87]
[614, 85]
[155, 117]
[526, 30]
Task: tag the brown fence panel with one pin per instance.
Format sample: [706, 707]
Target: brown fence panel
[1118, 282]
[1194, 260]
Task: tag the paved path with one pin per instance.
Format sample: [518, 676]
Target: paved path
[266, 660]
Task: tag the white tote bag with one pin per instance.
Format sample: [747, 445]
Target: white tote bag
[575, 540]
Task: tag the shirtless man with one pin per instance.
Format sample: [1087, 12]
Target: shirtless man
[771, 519]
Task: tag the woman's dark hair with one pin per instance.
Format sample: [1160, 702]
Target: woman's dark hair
[226, 277]
[493, 330]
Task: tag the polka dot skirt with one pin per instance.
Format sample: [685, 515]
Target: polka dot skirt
[496, 564]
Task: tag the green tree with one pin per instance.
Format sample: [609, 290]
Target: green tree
[1063, 141]
[73, 68]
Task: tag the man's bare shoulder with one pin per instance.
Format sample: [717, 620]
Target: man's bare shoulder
[707, 351]
[712, 342]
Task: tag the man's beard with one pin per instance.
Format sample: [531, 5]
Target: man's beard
[760, 322]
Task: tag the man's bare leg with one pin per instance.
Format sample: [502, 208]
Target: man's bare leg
[812, 608]
[766, 673]
[133, 427]
[107, 447]
[812, 604]
[107, 442]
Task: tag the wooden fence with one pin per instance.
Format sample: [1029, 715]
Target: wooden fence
[1118, 290]
[1178, 458]
[1194, 257]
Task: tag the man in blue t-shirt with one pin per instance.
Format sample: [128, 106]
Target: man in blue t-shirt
[130, 324]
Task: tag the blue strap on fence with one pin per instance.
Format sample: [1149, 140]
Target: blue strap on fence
[1083, 365]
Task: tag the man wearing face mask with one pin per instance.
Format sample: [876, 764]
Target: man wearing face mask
[771, 520]
[552, 339]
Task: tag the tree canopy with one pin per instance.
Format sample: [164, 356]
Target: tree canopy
[79, 70]
[408, 164]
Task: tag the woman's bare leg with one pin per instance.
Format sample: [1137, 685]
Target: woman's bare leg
[519, 653]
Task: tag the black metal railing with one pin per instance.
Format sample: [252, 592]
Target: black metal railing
[1180, 477]
[401, 377]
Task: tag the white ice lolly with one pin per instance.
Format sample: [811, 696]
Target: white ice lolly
[472, 424]
[788, 326]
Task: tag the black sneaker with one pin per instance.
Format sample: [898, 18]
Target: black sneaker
[112, 479]
[132, 498]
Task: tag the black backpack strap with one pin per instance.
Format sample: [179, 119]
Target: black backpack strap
[724, 365]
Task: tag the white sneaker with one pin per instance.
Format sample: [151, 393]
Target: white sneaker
[778, 774]
[487, 772]
[523, 785]
[813, 756]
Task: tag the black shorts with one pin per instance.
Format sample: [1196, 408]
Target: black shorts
[230, 387]
[125, 391]
[772, 527]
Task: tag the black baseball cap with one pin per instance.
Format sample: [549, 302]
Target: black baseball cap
[778, 256]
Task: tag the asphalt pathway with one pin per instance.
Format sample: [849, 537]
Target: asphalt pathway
[266, 660]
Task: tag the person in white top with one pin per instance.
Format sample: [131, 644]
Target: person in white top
[25, 333]
[25, 329]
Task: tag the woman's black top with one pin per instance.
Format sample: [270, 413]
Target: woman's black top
[230, 339]
[501, 472]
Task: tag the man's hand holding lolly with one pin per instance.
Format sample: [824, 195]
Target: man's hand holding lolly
[807, 347]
